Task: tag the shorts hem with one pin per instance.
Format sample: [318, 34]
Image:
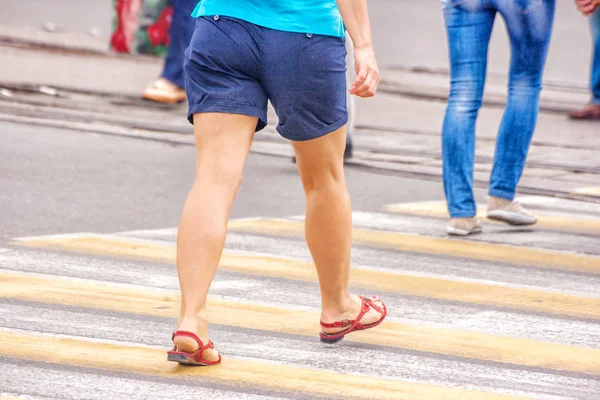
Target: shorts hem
[317, 133]
[230, 109]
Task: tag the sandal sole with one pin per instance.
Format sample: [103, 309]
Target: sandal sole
[185, 359]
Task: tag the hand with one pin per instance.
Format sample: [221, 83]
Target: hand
[587, 7]
[367, 72]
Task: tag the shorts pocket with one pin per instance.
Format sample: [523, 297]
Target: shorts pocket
[525, 6]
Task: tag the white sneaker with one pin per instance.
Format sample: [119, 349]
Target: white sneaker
[463, 226]
[509, 212]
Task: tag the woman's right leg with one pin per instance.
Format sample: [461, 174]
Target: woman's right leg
[468, 38]
[222, 146]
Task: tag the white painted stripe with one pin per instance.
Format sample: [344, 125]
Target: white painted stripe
[361, 218]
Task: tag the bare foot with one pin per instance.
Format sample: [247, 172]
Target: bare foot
[349, 312]
[199, 326]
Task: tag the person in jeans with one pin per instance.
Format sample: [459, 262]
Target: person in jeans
[169, 88]
[242, 54]
[469, 26]
[591, 8]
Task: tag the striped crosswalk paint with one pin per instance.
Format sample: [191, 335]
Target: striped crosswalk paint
[590, 191]
[361, 278]
[562, 223]
[125, 298]
[523, 256]
[69, 292]
[140, 360]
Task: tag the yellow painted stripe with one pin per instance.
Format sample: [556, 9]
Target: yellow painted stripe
[438, 246]
[152, 362]
[545, 221]
[590, 191]
[467, 292]
[274, 319]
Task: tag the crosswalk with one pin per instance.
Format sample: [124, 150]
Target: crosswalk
[509, 314]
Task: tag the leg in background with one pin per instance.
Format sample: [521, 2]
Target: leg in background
[592, 110]
[180, 34]
[595, 75]
[468, 38]
[529, 37]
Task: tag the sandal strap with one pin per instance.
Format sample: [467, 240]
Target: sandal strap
[192, 335]
[352, 324]
[371, 303]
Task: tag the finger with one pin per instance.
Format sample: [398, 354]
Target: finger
[370, 91]
[370, 87]
[360, 78]
[365, 84]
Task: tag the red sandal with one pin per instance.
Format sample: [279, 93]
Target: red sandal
[354, 325]
[194, 358]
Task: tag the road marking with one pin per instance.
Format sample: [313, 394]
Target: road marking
[93, 295]
[141, 360]
[437, 209]
[522, 256]
[590, 191]
[360, 278]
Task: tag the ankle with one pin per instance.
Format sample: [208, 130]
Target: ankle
[196, 322]
[333, 306]
[497, 202]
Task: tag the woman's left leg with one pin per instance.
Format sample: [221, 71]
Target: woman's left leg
[529, 32]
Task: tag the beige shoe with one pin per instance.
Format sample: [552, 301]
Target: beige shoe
[163, 91]
[509, 212]
[463, 226]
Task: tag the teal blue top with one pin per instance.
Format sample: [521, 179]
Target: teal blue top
[320, 17]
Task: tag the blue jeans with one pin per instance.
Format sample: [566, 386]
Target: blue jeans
[180, 34]
[595, 78]
[469, 26]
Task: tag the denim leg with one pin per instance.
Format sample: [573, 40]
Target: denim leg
[529, 34]
[180, 34]
[595, 78]
[468, 35]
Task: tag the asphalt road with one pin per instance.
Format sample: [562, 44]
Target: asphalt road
[60, 181]
[505, 315]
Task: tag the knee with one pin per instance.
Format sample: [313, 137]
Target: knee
[465, 98]
[226, 179]
[525, 85]
[321, 177]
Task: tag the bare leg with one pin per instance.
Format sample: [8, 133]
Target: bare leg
[222, 146]
[329, 224]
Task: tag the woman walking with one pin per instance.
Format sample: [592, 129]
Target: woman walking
[243, 53]
[469, 26]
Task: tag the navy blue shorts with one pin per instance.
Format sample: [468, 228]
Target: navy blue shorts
[233, 66]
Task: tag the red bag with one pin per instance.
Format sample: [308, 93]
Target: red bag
[141, 26]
